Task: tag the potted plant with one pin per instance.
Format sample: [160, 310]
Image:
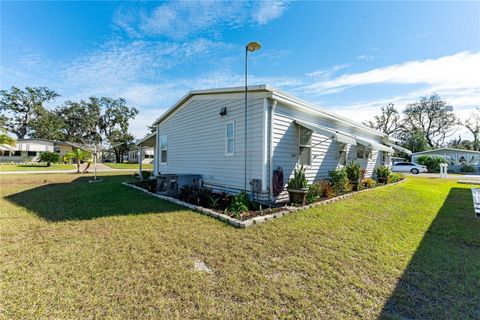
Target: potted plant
[297, 186]
[382, 173]
[354, 174]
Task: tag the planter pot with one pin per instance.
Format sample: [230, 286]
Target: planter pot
[298, 196]
[382, 180]
[355, 184]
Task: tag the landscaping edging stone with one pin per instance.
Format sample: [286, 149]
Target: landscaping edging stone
[256, 220]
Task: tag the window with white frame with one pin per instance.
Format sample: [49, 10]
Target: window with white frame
[361, 152]
[342, 154]
[304, 145]
[163, 148]
[230, 139]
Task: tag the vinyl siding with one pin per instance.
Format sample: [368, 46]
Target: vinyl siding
[325, 150]
[196, 139]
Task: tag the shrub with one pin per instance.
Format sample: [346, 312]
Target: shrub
[298, 181]
[383, 172]
[394, 177]
[315, 191]
[368, 183]
[49, 157]
[194, 195]
[431, 162]
[339, 181]
[146, 174]
[467, 168]
[354, 171]
[238, 204]
[327, 191]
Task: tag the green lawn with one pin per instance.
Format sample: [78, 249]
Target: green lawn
[148, 166]
[70, 249]
[35, 167]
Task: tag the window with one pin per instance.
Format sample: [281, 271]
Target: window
[342, 154]
[56, 149]
[304, 145]
[230, 139]
[163, 148]
[17, 154]
[361, 151]
[32, 153]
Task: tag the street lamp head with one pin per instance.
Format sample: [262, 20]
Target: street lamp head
[253, 46]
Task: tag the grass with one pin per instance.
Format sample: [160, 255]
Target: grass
[35, 167]
[148, 166]
[70, 249]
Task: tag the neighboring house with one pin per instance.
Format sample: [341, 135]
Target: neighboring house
[204, 134]
[28, 150]
[146, 155]
[455, 157]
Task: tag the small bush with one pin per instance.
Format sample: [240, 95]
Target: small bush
[431, 162]
[146, 174]
[194, 195]
[298, 181]
[467, 168]
[327, 190]
[315, 191]
[382, 171]
[49, 157]
[368, 183]
[238, 204]
[354, 171]
[339, 181]
[394, 177]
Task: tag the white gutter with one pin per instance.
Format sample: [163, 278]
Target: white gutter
[270, 162]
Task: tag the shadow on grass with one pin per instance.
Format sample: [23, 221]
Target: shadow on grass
[442, 281]
[80, 200]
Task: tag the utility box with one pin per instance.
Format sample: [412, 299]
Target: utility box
[172, 183]
[256, 185]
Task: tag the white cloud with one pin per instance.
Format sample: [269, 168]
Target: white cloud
[366, 57]
[268, 11]
[181, 19]
[445, 73]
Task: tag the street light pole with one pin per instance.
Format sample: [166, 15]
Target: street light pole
[252, 46]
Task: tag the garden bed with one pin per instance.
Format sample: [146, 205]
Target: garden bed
[250, 217]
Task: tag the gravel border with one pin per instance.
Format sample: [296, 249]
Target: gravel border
[256, 220]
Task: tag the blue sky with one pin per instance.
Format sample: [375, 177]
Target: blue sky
[347, 57]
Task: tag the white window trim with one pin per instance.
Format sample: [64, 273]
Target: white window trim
[229, 154]
[160, 147]
[304, 146]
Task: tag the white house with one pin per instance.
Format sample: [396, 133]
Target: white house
[456, 157]
[204, 134]
[145, 154]
[28, 150]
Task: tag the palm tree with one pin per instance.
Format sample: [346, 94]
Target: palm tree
[78, 156]
[6, 140]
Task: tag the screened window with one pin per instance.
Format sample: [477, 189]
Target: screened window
[342, 154]
[230, 139]
[304, 145]
[361, 152]
[32, 153]
[163, 148]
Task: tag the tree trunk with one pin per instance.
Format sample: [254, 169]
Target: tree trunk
[78, 165]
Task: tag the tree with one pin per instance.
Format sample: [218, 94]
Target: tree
[20, 107]
[388, 121]
[431, 162]
[461, 144]
[114, 123]
[47, 125]
[414, 141]
[78, 156]
[49, 157]
[80, 121]
[432, 117]
[6, 140]
[473, 125]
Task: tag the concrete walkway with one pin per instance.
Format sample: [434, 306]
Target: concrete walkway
[100, 168]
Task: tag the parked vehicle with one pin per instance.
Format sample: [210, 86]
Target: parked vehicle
[411, 167]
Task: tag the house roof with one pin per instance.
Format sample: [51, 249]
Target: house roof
[148, 141]
[446, 149]
[279, 96]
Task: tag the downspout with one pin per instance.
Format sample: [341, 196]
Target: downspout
[270, 162]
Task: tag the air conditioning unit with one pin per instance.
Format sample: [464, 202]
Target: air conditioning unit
[172, 183]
